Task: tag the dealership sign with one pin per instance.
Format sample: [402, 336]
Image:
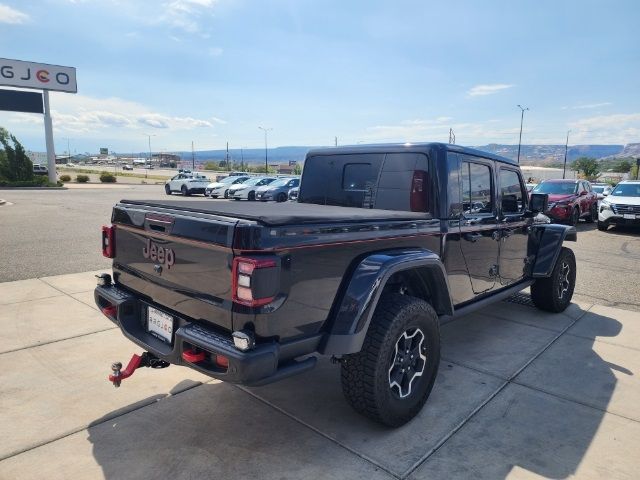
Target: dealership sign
[16, 73]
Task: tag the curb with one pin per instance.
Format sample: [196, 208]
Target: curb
[33, 188]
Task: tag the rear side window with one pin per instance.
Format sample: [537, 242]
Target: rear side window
[477, 195]
[511, 194]
[358, 176]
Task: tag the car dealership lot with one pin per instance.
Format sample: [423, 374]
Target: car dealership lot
[55, 232]
[520, 393]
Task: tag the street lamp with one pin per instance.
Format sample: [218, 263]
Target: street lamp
[566, 147]
[266, 166]
[146, 170]
[521, 120]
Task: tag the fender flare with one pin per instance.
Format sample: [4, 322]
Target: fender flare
[551, 238]
[355, 307]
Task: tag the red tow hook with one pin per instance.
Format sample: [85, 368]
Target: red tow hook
[137, 361]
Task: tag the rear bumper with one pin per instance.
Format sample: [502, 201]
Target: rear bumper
[258, 366]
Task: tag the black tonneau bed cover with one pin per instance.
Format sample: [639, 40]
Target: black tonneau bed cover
[278, 214]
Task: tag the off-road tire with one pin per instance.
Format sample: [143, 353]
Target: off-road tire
[593, 213]
[184, 190]
[365, 375]
[602, 226]
[167, 190]
[546, 292]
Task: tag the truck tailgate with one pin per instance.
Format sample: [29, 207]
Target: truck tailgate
[176, 260]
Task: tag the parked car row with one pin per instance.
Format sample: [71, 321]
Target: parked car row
[237, 186]
[572, 200]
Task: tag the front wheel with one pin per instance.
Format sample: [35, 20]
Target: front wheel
[184, 191]
[554, 293]
[602, 226]
[252, 196]
[282, 197]
[226, 194]
[575, 217]
[391, 377]
[593, 213]
[167, 190]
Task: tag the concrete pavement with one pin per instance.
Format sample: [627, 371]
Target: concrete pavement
[520, 394]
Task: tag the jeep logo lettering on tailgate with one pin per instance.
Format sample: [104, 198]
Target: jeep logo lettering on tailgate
[159, 254]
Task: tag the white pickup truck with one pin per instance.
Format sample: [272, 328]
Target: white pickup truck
[187, 184]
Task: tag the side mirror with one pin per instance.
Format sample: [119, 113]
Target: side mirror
[539, 202]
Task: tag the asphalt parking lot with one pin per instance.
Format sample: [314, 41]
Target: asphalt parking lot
[61, 234]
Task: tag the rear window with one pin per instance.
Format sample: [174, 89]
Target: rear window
[393, 181]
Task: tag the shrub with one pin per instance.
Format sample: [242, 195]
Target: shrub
[39, 181]
[65, 178]
[82, 178]
[106, 177]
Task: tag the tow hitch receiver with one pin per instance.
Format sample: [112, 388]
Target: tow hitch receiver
[137, 361]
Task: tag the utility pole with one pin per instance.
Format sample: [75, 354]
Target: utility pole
[566, 147]
[146, 170]
[336, 141]
[241, 159]
[227, 158]
[193, 157]
[266, 165]
[521, 120]
[68, 151]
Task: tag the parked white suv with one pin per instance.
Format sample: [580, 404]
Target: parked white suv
[187, 184]
[621, 207]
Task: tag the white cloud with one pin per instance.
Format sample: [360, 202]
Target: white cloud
[487, 89]
[185, 14]
[11, 15]
[587, 106]
[215, 51]
[608, 129]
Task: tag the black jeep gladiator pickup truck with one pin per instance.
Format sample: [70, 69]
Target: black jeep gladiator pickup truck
[384, 243]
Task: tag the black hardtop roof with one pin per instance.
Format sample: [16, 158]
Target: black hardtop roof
[406, 147]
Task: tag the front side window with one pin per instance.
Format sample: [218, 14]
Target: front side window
[511, 195]
[477, 195]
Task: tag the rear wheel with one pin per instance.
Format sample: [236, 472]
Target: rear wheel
[391, 377]
[554, 293]
[184, 190]
[167, 190]
[593, 213]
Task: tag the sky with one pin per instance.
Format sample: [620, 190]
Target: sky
[214, 71]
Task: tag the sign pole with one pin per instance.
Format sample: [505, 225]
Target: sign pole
[48, 135]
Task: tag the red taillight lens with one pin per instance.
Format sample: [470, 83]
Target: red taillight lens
[418, 195]
[109, 241]
[242, 272]
[110, 311]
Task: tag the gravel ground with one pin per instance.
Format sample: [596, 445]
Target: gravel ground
[54, 232]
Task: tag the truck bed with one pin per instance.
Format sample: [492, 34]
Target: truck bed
[278, 214]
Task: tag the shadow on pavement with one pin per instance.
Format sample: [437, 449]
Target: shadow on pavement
[544, 422]
[219, 431]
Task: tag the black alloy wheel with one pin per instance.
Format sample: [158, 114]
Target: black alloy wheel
[554, 293]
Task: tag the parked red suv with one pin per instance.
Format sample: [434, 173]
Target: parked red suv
[570, 200]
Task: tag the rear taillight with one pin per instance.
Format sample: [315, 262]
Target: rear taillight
[253, 281]
[109, 241]
[418, 195]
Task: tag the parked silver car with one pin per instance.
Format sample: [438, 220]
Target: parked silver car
[247, 189]
[277, 190]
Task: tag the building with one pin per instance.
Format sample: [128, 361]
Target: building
[170, 160]
[534, 174]
[37, 157]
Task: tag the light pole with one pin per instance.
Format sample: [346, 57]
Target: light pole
[266, 165]
[566, 147]
[521, 120]
[146, 170]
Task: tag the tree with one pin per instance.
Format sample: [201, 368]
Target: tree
[588, 166]
[211, 166]
[297, 169]
[14, 163]
[623, 166]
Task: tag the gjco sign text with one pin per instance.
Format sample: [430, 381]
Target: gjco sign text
[15, 73]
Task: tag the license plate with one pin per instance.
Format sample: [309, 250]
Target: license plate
[160, 324]
[629, 216]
